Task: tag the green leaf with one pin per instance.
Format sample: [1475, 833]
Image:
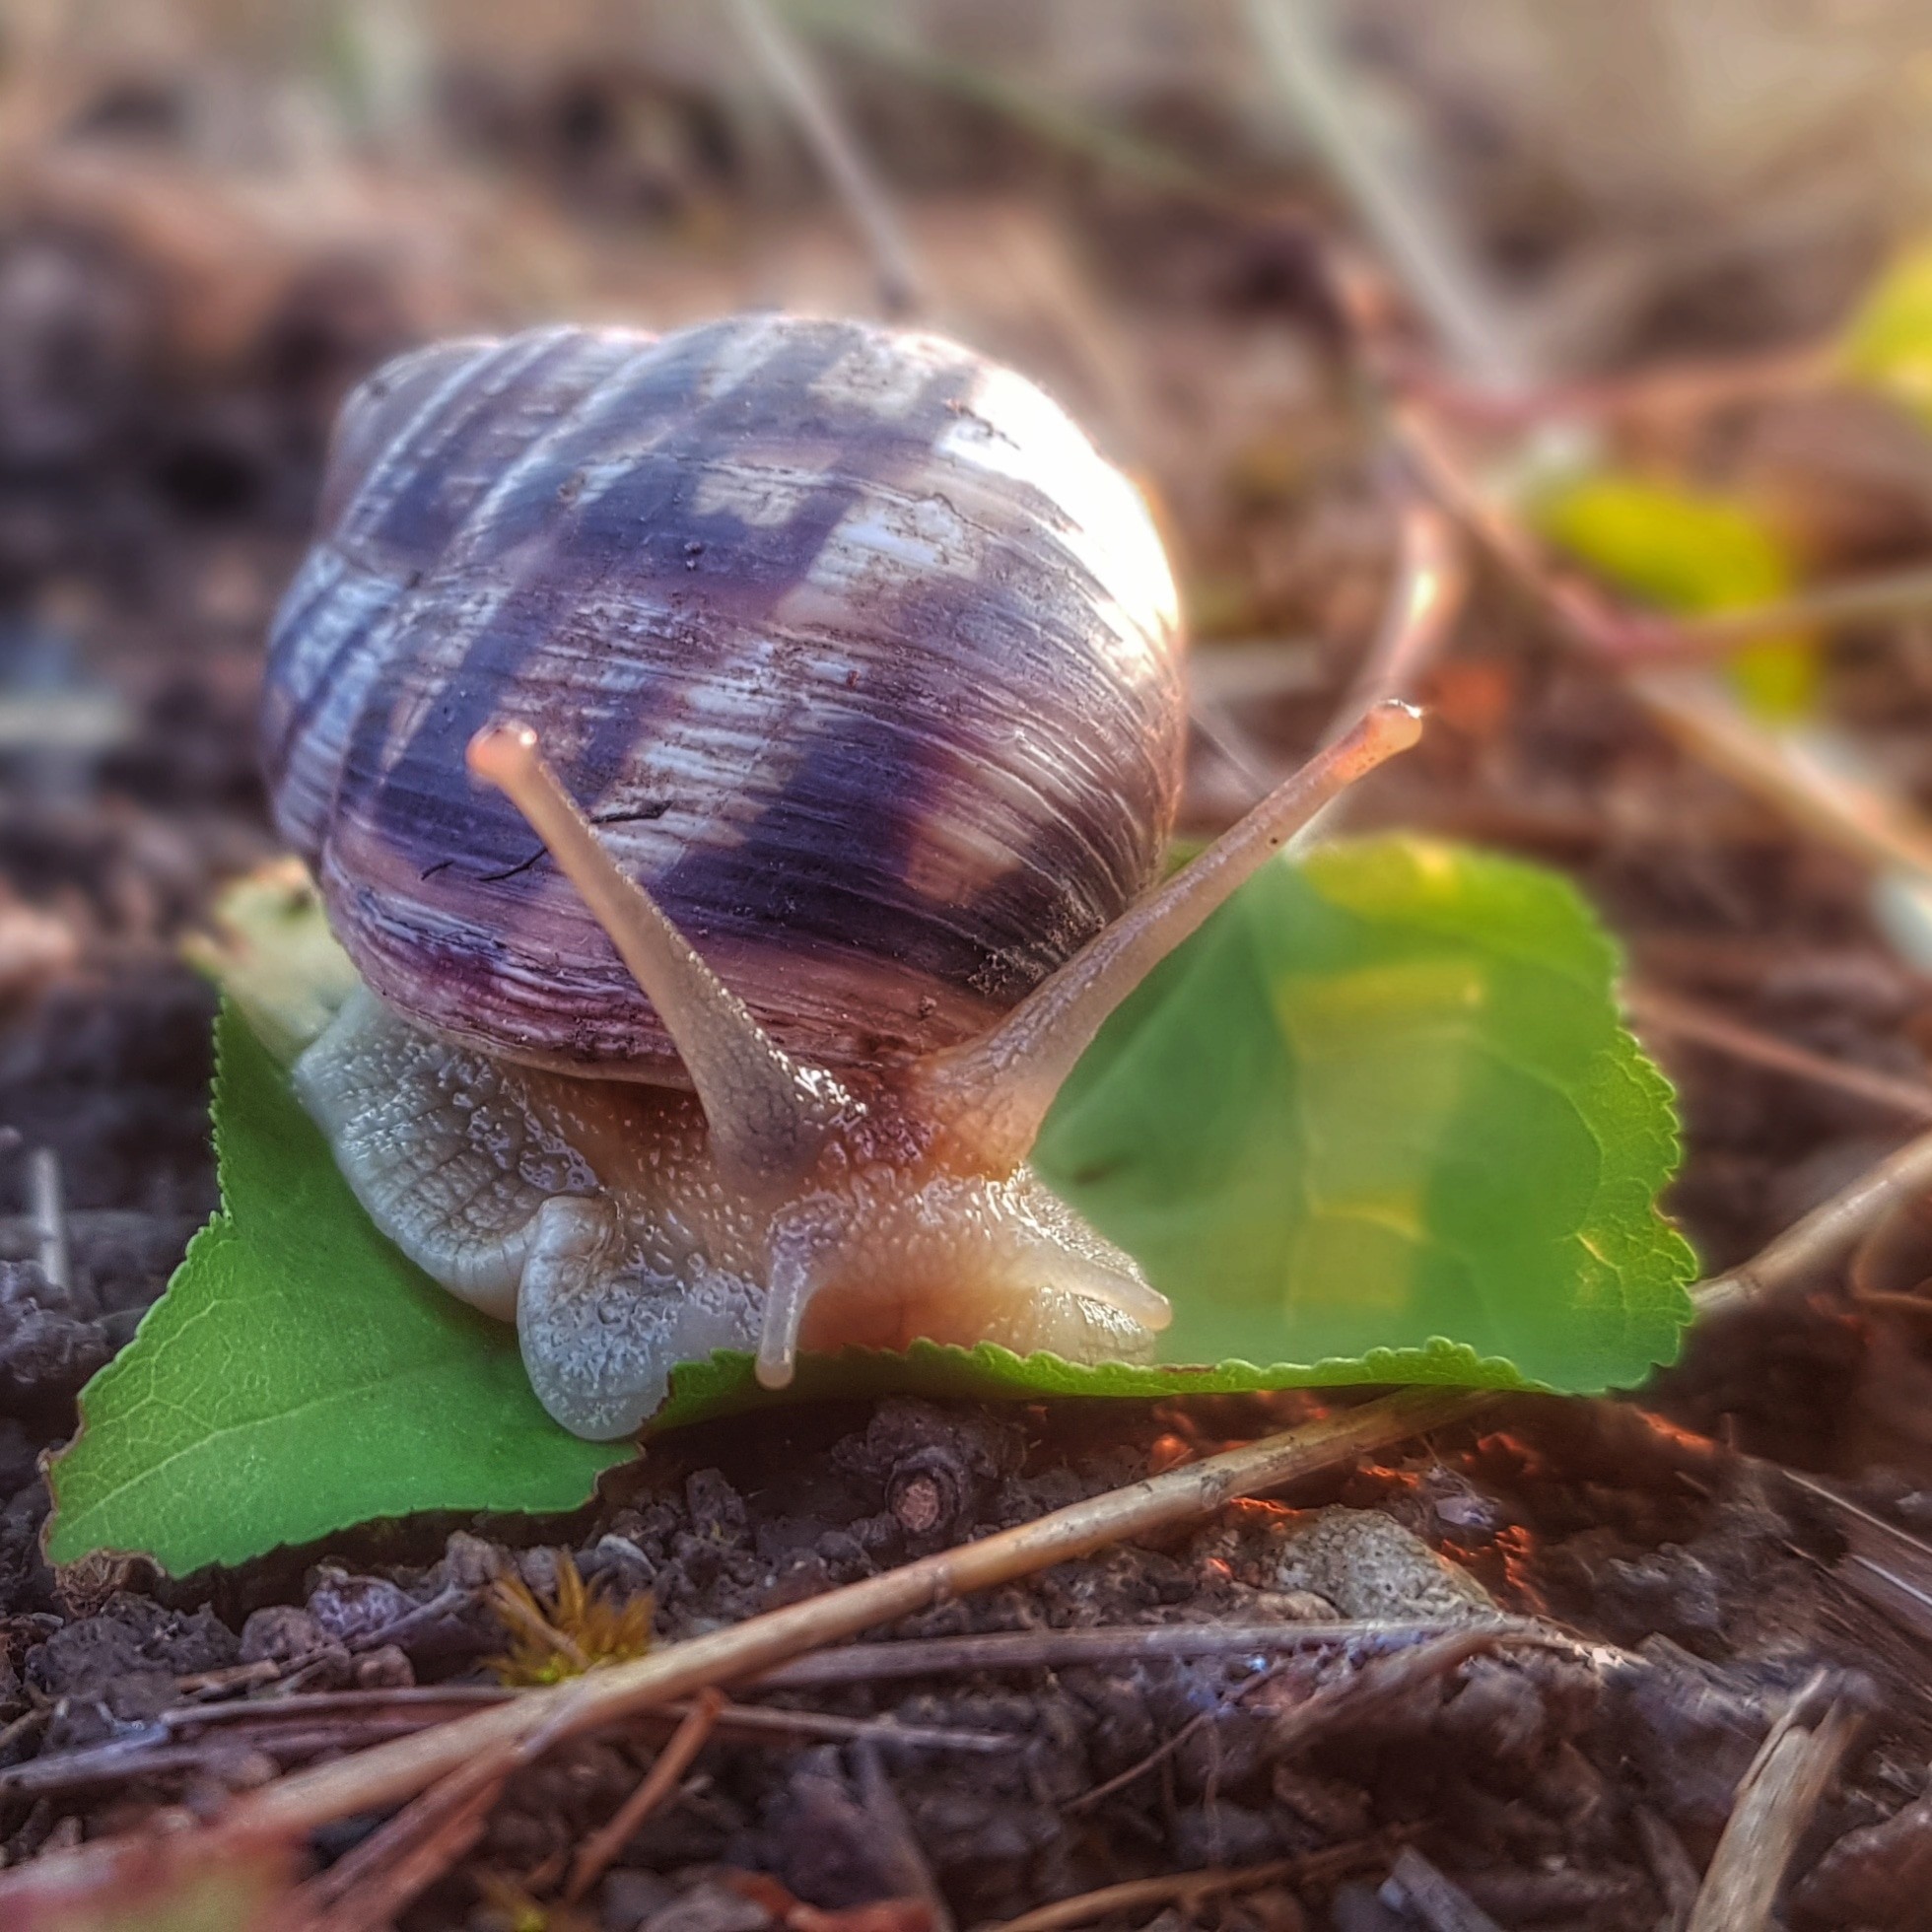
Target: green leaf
[299, 1375]
[1692, 552]
[1384, 1097]
[1376, 1122]
[724, 1385]
[1888, 341]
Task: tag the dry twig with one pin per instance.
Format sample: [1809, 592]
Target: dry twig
[1670, 1014]
[1821, 1235]
[903, 1859]
[393, 1773]
[371, 1884]
[1027, 1650]
[1775, 1800]
[1670, 1869]
[1860, 600]
[657, 1786]
[1441, 1903]
[1188, 1889]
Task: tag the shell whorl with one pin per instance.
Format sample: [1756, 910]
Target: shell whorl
[862, 658]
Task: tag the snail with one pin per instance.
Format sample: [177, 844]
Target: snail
[739, 764]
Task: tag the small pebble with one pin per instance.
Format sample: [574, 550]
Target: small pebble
[1367, 1566]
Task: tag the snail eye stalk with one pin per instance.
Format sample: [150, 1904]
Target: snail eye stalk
[767, 1112]
[997, 1089]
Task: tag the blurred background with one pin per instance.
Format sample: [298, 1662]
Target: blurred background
[1652, 268]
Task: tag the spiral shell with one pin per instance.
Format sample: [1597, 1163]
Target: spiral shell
[862, 658]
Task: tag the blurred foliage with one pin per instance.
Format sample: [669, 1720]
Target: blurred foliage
[1888, 342]
[1692, 552]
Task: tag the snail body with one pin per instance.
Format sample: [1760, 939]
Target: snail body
[734, 1027]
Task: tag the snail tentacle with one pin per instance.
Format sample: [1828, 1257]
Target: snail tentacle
[801, 1242]
[996, 1090]
[768, 1113]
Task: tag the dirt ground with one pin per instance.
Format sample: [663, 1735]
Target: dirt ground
[168, 366]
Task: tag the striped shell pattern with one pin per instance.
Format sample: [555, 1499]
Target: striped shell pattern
[861, 657]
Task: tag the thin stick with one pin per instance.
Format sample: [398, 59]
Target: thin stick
[657, 1786]
[1670, 1869]
[1821, 1235]
[1172, 1742]
[1182, 1888]
[1875, 826]
[890, 39]
[1663, 393]
[1441, 1903]
[1028, 1650]
[754, 1720]
[1670, 1014]
[1384, 1681]
[1394, 203]
[903, 1858]
[1775, 1800]
[392, 1771]
[798, 85]
[418, 1708]
[373, 1880]
[1872, 824]
[1863, 600]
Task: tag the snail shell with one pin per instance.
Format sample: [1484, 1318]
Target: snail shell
[859, 656]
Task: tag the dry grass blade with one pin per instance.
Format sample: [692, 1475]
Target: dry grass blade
[1870, 823]
[1393, 200]
[1671, 1016]
[1186, 1889]
[903, 1859]
[364, 1889]
[1671, 1870]
[1886, 1565]
[366, 1886]
[394, 1771]
[655, 1787]
[1821, 1235]
[1775, 1800]
[797, 84]
[891, 36]
[1862, 601]
[1384, 1683]
[1030, 1650]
